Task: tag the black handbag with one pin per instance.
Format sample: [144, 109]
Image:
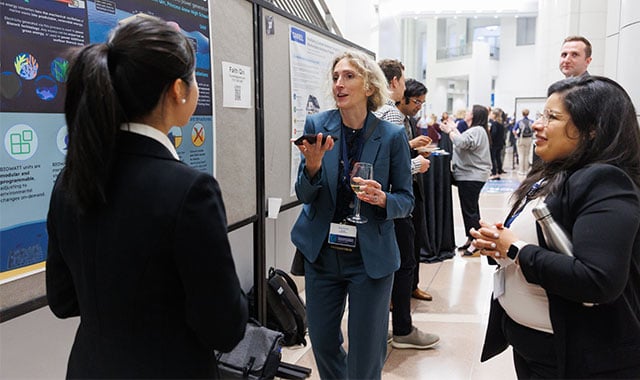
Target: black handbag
[257, 356]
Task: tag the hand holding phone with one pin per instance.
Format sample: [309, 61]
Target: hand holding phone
[311, 139]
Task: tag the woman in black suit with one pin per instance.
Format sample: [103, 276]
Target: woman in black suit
[585, 305]
[137, 239]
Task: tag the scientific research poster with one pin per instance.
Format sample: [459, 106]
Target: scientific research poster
[35, 37]
[310, 62]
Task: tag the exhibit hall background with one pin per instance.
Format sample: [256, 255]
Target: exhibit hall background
[250, 155]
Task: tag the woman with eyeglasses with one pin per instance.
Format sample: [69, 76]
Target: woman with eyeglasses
[574, 314]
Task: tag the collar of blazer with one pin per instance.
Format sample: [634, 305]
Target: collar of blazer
[136, 144]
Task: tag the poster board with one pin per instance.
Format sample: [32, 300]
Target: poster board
[232, 21]
[35, 39]
[283, 116]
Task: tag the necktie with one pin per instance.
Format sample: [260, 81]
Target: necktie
[407, 128]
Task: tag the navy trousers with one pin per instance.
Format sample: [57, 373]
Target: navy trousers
[333, 279]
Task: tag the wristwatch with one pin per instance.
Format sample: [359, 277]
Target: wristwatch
[515, 248]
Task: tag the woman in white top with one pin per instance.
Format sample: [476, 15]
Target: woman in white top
[573, 313]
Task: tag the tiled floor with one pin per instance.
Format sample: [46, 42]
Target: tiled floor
[461, 289]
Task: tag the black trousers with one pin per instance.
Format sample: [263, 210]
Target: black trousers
[534, 356]
[403, 278]
[469, 194]
[496, 160]
[420, 228]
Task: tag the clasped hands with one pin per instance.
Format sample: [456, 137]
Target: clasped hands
[493, 240]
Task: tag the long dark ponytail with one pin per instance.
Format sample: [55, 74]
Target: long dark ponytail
[114, 83]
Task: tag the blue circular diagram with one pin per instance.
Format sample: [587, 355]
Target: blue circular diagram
[46, 88]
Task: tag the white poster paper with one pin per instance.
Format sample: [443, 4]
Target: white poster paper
[310, 62]
[236, 85]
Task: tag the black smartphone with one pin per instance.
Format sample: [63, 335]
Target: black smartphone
[312, 139]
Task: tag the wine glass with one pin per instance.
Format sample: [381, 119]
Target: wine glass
[361, 171]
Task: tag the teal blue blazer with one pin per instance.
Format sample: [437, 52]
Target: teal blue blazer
[388, 149]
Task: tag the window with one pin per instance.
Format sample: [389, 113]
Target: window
[526, 33]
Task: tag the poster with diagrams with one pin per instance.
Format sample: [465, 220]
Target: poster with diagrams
[310, 62]
[36, 36]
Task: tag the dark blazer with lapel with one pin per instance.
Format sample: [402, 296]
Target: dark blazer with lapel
[599, 205]
[150, 274]
[387, 149]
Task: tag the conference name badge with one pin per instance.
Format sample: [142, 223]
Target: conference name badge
[343, 235]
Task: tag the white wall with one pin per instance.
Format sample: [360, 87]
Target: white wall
[390, 45]
[480, 74]
[413, 42]
[518, 74]
[357, 20]
[436, 100]
[559, 19]
[622, 47]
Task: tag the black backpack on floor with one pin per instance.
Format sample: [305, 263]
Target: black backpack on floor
[285, 310]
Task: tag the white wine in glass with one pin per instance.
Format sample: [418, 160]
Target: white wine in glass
[361, 171]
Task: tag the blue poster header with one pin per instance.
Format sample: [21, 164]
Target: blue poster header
[299, 36]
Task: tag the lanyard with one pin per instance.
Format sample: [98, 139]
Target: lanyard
[528, 197]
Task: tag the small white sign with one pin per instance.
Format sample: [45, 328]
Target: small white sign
[236, 85]
[274, 207]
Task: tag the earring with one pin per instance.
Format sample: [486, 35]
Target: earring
[183, 101]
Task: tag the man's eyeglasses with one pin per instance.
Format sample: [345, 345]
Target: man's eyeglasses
[417, 102]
